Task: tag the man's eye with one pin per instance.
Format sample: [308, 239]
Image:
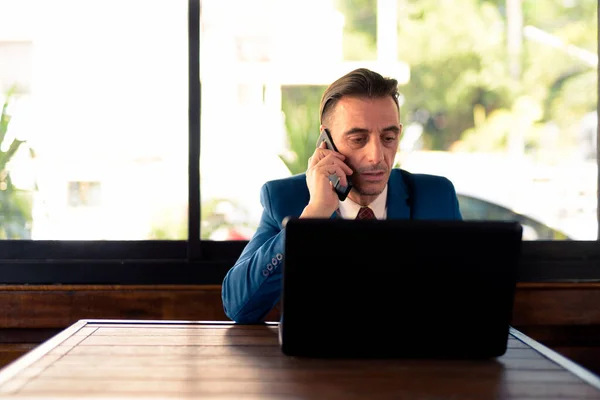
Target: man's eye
[389, 139]
[357, 140]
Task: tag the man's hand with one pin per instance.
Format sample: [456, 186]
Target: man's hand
[323, 198]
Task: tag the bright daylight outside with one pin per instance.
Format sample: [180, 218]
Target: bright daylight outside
[500, 96]
[95, 125]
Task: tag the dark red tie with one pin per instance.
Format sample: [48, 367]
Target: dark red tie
[365, 213]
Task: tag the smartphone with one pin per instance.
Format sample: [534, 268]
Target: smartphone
[342, 191]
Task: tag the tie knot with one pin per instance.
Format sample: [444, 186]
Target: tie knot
[365, 213]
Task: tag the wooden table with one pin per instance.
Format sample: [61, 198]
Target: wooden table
[180, 359]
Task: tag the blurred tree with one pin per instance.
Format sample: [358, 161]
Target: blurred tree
[360, 29]
[300, 105]
[496, 130]
[556, 70]
[456, 67]
[15, 203]
[457, 52]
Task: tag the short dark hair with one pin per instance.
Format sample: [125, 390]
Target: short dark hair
[361, 82]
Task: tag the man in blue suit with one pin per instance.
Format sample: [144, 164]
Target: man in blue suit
[361, 112]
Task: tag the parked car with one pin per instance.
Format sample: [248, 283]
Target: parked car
[473, 208]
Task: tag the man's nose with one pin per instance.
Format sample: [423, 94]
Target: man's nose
[375, 151]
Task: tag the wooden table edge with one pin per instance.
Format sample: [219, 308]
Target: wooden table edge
[18, 365]
[574, 368]
[170, 322]
[12, 369]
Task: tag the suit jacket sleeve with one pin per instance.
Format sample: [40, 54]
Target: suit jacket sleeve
[252, 287]
[455, 203]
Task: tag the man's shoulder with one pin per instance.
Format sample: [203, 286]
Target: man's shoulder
[425, 180]
[291, 182]
[434, 195]
[285, 196]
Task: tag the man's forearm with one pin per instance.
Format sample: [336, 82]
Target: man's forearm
[253, 286]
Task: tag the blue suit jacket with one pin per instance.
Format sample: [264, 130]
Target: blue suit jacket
[252, 287]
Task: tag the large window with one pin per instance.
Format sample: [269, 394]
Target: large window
[499, 103]
[111, 105]
[96, 95]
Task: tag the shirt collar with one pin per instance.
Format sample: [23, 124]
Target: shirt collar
[348, 208]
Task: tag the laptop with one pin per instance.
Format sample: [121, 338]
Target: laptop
[398, 288]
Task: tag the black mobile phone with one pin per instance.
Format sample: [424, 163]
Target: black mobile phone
[342, 191]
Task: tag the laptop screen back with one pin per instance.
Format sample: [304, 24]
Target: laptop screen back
[398, 288]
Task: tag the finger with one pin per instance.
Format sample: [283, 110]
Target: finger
[334, 169]
[322, 151]
[347, 169]
[330, 159]
[319, 155]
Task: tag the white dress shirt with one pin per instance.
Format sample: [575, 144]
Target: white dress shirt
[348, 209]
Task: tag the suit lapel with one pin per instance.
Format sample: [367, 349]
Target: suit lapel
[396, 197]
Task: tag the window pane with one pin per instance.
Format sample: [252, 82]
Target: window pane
[97, 92]
[503, 102]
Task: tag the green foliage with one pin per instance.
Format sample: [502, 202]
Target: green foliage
[300, 106]
[357, 46]
[555, 77]
[496, 131]
[454, 66]
[360, 29]
[564, 15]
[15, 203]
[457, 51]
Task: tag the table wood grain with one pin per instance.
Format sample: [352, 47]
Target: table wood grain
[113, 359]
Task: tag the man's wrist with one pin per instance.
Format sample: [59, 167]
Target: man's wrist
[311, 212]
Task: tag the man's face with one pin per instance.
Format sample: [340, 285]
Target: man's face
[367, 131]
